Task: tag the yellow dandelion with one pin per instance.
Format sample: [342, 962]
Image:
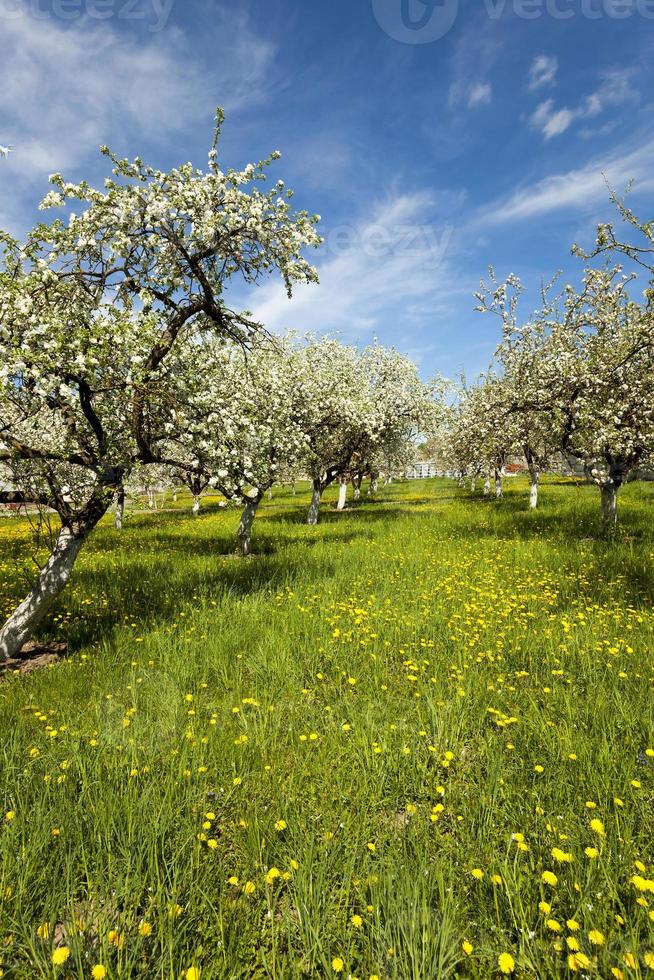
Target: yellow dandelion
[578, 961]
[60, 956]
[506, 963]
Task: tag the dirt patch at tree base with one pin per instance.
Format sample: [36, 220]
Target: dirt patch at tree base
[33, 656]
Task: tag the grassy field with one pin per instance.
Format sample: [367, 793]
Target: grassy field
[412, 743]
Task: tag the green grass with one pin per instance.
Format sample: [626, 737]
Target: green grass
[407, 686]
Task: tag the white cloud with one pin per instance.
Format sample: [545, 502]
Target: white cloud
[473, 94]
[550, 121]
[64, 90]
[480, 94]
[542, 72]
[576, 189]
[393, 263]
[614, 90]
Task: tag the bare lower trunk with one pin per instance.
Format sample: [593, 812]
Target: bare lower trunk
[51, 582]
[499, 491]
[174, 496]
[314, 508]
[609, 503]
[374, 485]
[533, 493]
[357, 493]
[120, 509]
[473, 484]
[244, 533]
[293, 488]
[151, 500]
[196, 505]
[487, 487]
[342, 495]
[270, 497]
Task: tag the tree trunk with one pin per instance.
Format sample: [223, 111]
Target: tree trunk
[473, 484]
[244, 533]
[374, 484]
[51, 582]
[196, 505]
[151, 500]
[314, 508]
[499, 492]
[342, 494]
[120, 509]
[270, 495]
[609, 503]
[487, 487]
[533, 493]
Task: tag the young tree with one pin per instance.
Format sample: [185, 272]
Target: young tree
[589, 374]
[337, 411]
[91, 309]
[238, 420]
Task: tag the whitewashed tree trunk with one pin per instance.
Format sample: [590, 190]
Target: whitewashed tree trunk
[196, 505]
[151, 500]
[473, 484]
[342, 495]
[270, 495]
[244, 533]
[609, 503]
[533, 492]
[51, 582]
[487, 487]
[174, 496]
[120, 509]
[499, 491]
[374, 485]
[314, 508]
[357, 493]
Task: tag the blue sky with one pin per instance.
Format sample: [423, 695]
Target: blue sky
[433, 139]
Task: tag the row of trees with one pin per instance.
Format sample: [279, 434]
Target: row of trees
[119, 352]
[575, 382]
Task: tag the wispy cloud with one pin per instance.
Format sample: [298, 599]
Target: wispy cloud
[576, 189]
[395, 262]
[614, 90]
[542, 72]
[480, 94]
[471, 94]
[65, 89]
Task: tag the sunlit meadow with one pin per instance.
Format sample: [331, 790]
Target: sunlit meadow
[413, 742]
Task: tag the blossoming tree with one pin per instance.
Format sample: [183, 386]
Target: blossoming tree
[90, 311]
